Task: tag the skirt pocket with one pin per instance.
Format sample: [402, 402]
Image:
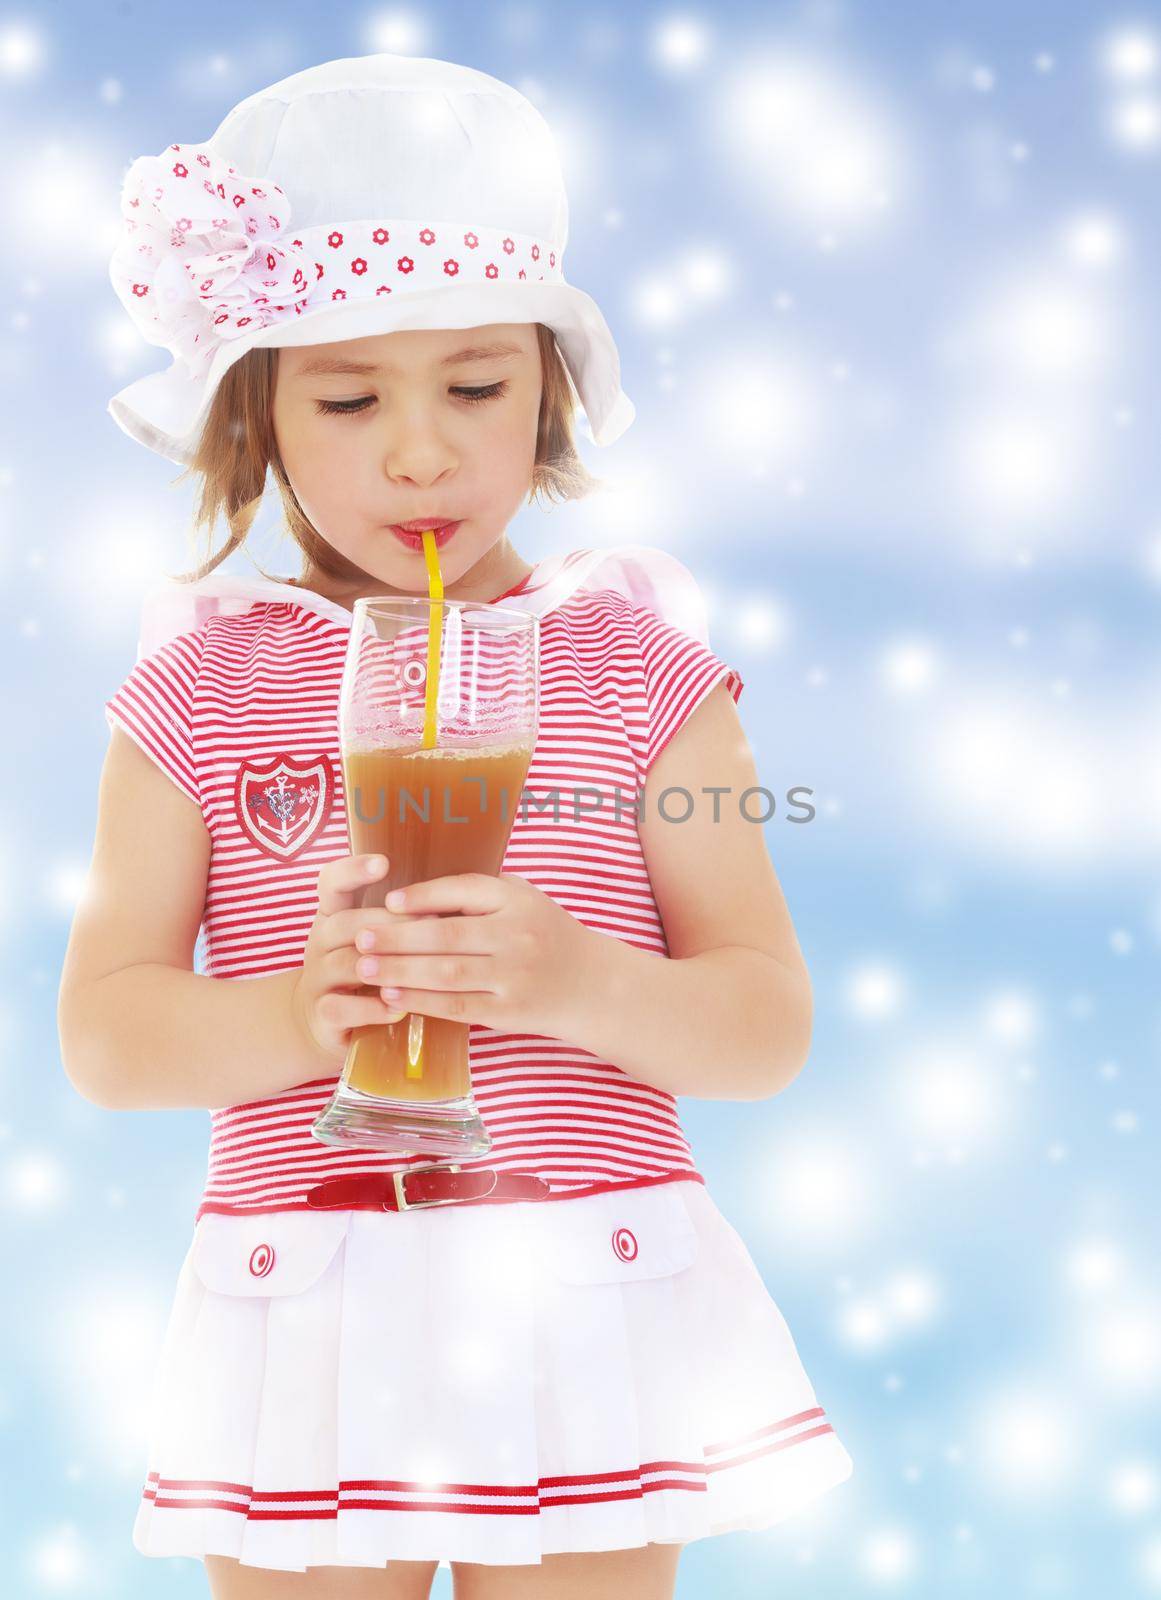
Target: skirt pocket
[603, 1238]
[271, 1254]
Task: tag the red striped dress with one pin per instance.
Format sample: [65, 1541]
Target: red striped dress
[486, 1382]
[236, 671]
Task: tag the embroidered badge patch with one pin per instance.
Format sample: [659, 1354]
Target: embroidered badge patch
[282, 802]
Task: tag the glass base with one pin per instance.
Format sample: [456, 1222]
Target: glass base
[402, 1127]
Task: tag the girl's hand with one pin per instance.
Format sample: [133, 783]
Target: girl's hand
[328, 998]
[475, 948]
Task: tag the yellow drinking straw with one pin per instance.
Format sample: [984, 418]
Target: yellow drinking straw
[414, 1066]
[434, 595]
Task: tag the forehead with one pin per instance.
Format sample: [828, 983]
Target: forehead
[410, 350]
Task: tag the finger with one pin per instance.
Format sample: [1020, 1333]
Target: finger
[456, 1006]
[358, 1010]
[342, 929]
[470, 892]
[416, 933]
[341, 882]
[462, 973]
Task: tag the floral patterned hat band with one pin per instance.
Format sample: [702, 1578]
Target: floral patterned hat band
[207, 254]
[292, 224]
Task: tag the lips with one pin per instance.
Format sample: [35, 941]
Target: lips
[413, 537]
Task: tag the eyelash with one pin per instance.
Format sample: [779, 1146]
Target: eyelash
[352, 408]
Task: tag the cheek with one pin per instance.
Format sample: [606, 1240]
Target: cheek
[297, 443]
[323, 471]
[503, 460]
[508, 439]
[330, 453]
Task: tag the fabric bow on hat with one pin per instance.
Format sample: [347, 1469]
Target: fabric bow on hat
[201, 257]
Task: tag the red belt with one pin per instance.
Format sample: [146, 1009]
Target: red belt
[414, 1187]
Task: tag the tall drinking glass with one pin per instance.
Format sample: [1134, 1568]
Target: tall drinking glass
[433, 810]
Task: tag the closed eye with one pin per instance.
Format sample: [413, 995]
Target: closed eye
[350, 408]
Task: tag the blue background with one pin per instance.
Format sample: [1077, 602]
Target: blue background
[882, 278]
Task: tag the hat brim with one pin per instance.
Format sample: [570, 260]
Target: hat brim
[165, 411]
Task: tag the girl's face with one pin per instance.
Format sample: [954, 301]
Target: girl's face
[441, 424]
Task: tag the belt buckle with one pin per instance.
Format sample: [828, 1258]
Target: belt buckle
[401, 1201]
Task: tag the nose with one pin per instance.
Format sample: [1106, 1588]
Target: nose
[415, 452]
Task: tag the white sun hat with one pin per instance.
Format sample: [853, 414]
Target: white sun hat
[358, 197]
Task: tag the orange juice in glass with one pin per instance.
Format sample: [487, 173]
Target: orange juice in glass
[438, 716]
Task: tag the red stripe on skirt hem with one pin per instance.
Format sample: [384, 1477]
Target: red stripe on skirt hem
[159, 1490]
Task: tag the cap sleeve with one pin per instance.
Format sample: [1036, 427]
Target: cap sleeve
[154, 706]
[679, 672]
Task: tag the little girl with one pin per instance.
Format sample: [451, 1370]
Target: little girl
[576, 1368]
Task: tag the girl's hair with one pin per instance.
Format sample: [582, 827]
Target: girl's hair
[237, 445]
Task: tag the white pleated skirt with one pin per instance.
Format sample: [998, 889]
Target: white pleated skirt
[488, 1383]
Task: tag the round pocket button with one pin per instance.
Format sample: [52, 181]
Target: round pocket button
[261, 1259]
[624, 1244]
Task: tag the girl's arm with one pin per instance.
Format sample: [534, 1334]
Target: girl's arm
[139, 1029]
[729, 1015]
[161, 1038]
